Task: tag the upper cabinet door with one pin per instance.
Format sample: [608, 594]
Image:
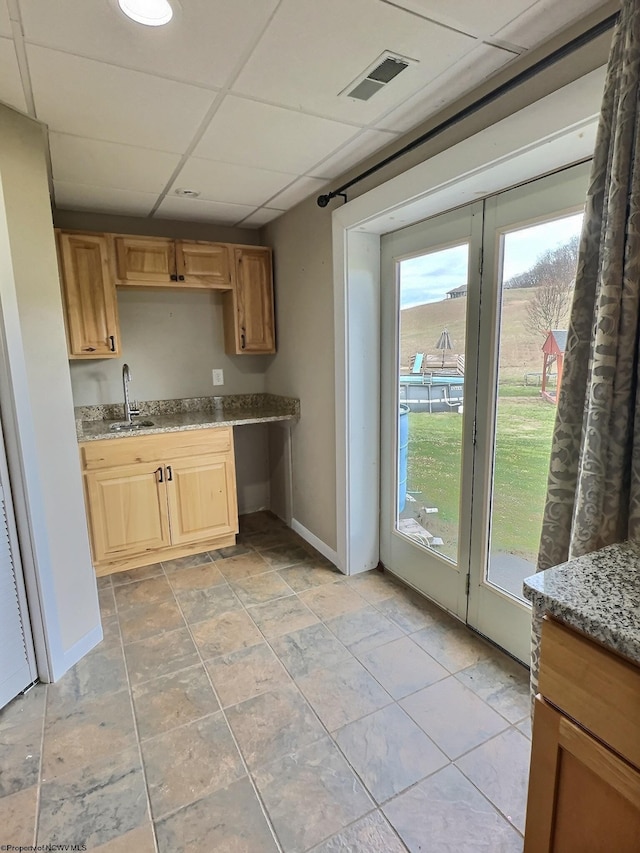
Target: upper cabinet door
[255, 321]
[145, 260]
[203, 264]
[90, 303]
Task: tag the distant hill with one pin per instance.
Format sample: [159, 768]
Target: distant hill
[521, 351]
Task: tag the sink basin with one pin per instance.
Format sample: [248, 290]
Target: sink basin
[123, 426]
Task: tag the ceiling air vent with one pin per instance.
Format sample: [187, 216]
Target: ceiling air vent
[382, 71]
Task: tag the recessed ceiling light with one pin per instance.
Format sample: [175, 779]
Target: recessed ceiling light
[151, 13]
[186, 193]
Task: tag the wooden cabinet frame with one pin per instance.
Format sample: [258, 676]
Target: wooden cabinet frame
[164, 262]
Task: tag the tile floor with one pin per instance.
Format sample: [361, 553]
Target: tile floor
[254, 700]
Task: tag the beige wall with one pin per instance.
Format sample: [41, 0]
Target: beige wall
[37, 401]
[171, 340]
[301, 239]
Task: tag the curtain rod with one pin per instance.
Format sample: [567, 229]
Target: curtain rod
[542, 64]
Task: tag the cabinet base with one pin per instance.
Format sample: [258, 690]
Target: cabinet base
[150, 557]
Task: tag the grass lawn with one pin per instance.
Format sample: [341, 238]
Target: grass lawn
[525, 425]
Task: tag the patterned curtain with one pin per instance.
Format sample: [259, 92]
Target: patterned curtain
[593, 492]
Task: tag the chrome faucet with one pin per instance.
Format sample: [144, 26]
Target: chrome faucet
[129, 410]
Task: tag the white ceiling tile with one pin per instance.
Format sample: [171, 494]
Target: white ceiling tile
[470, 16]
[354, 152]
[261, 217]
[228, 182]
[253, 134]
[108, 164]
[544, 19]
[87, 98]
[464, 76]
[197, 210]
[303, 188]
[5, 22]
[202, 44]
[102, 199]
[11, 91]
[312, 51]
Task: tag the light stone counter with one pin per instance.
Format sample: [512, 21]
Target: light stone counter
[94, 422]
[598, 594]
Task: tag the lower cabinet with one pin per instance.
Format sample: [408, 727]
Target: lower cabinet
[584, 784]
[158, 497]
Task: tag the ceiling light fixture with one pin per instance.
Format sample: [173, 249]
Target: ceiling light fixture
[183, 192]
[151, 13]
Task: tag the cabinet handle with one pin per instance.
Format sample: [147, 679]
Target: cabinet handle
[113, 342]
[159, 472]
[88, 349]
[174, 277]
[180, 278]
[243, 340]
[169, 474]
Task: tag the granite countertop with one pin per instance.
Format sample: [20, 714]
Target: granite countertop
[598, 594]
[93, 422]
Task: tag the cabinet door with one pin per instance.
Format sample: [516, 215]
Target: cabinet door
[127, 510]
[254, 321]
[203, 264]
[90, 304]
[582, 796]
[202, 498]
[145, 260]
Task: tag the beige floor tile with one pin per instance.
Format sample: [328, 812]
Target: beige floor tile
[262, 519]
[500, 769]
[26, 708]
[230, 551]
[310, 574]
[374, 586]
[260, 589]
[197, 577]
[18, 817]
[453, 716]
[452, 644]
[111, 632]
[261, 540]
[332, 600]
[186, 562]
[77, 735]
[160, 655]
[145, 592]
[370, 834]
[147, 620]
[243, 566]
[104, 582]
[188, 763]
[285, 555]
[246, 673]
[453, 815]
[95, 806]
[273, 724]
[364, 629]
[172, 700]
[309, 649]
[502, 683]
[140, 840]
[20, 750]
[131, 575]
[227, 821]
[402, 667]
[408, 610]
[226, 634]
[282, 616]
[525, 726]
[389, 752]
[100, 673]
[343, 693]
[107, 602]
[200, 604]
[311, 795]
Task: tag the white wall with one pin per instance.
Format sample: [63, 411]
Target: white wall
[37, 405]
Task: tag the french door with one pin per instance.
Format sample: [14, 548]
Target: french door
[475, 306]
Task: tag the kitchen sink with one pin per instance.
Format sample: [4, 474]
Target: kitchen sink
[123, 426]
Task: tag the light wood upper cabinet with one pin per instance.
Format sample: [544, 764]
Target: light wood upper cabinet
[90, 304]
[161, 262]
[584, 784]
[249, 319]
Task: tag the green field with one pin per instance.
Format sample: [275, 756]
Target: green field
[524, 429]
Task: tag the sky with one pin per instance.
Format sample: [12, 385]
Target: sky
[429, 277]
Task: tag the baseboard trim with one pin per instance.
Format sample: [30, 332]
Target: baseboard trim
[77, 651]
[318, 544]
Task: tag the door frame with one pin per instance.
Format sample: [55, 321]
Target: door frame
[556, 131]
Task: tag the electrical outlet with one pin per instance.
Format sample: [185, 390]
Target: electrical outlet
[218, 377]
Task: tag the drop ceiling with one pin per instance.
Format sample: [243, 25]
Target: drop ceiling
[239, 99]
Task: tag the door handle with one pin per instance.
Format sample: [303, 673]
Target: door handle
[169, 474]
[159, 472]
